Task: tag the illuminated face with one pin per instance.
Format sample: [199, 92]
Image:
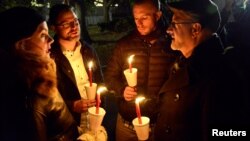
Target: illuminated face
[146, 17]
[68, 27]
[181, 31]
[40, 41]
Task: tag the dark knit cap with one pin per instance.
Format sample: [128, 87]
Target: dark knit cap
[206, 10]
[18, 23]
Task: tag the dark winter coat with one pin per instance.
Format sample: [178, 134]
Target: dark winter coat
[202, 93]
[152, 61]
[34, 108]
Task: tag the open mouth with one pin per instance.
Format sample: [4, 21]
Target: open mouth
[74, 34]
[171, 36]
[48, 51]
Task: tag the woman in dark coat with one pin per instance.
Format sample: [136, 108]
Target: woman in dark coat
[32, 107]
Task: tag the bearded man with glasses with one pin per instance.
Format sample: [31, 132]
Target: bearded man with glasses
[203, 91]
[72, 56]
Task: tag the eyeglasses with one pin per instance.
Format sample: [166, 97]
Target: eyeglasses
[172, 24]
[69, 24]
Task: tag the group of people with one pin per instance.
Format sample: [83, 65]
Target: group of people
[190, 84]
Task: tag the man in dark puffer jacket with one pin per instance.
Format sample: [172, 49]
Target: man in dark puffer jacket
[153, 59]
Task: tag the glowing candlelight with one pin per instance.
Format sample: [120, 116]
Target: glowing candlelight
[137, 107]
[98, 98]
[90, 73]
[130, 59]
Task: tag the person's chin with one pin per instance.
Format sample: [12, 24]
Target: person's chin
[143, 32]
[77, 37]
[173, 46]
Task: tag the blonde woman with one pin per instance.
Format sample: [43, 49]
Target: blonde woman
[35, 109]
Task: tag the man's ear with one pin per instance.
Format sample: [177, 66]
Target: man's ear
[20, 45]
[158, 15]
[196, 29]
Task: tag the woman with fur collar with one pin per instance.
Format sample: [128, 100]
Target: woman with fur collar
[31, 104]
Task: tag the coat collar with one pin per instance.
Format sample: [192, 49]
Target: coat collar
[206, 56]
[155, 35]
[62, 62]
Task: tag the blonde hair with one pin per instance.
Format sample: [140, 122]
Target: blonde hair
[38, 72]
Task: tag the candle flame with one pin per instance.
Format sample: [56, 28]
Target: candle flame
[139, 99]
[130, 59]
[90, 64]
[101, 89]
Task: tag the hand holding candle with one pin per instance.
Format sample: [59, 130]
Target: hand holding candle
[137, 107]
[130, 59]
[90, 73]
[98, 98]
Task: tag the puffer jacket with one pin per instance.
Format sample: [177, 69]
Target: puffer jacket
[152, 61]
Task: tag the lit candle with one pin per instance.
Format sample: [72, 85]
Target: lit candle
[137, 108]
[98, 98]
[90, 73]
[130, 59]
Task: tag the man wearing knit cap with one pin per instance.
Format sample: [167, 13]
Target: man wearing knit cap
[199, 96]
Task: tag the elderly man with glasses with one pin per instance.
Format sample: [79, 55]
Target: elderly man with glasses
[72, 56]
[203, 92]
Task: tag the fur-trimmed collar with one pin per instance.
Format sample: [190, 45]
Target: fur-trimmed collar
[39, 73]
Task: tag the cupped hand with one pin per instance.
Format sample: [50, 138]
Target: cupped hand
[82, 105]
[129, 93]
